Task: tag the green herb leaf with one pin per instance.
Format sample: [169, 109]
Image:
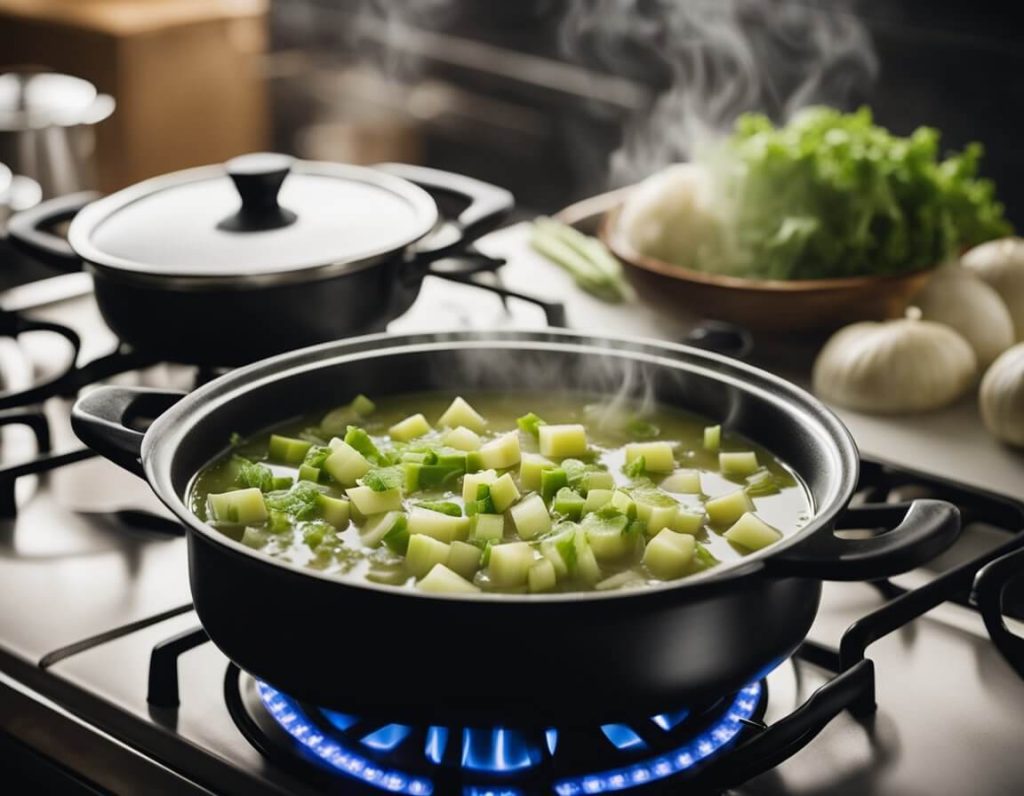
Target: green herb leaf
[442, 506]
[382, 479]
[253, 474]
[636, 468]
[299, 501]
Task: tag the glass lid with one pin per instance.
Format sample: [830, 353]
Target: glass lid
[255, 216]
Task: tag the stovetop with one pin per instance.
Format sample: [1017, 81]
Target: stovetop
[93, 580]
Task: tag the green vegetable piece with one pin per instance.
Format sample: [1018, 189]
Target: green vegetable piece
[369, 501]
[287, 450]
[442, 507]
[712, 438]
[586, 259]
[568, 503]
[531, 465]
[636, 468]
[762, 484]
[333, 510]
[300, 501]
[703, 559]
[587, 568]
[309, 473]
[423, 553]
[439, 526]
[483, 503]
[551, 480]
[238, 507]
[658, 456]
[530, 423]
[360, 440]
[278, 522]
[314, 533]
[317, 455]
[380, 526]
[623, 503]
[541, 576]
[345, 464]
[473, 480]
[464, 558]
[596, 498]
[252, 474]
[530, 517]
[559, 548]
[598, 479]
[282, 482]
[485, 559]
[486, 528]
[397, 539]
[607, 535]
[384, 478]
[509, 564]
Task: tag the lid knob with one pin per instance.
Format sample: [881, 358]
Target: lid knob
[258, 178]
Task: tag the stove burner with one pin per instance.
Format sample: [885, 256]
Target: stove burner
[421, 761]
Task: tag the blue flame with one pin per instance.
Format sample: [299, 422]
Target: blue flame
[669, 721]
[622, 737]
[551, 737]
[437, 740]
[497, 750]
[340, 720]
[387, 737]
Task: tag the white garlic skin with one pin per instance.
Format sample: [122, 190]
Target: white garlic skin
[1001, 264]
[894, 367]
[958, 298]
[1001, 398]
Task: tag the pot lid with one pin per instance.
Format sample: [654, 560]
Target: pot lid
[262, 215]
[33, 100]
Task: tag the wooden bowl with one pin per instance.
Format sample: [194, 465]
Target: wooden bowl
[763, 304]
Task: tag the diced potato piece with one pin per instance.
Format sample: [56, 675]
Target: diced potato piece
[728, 508]
[287, 450]
[440, 526]
[541, 576]
[410, 428]
[712, 438]
[369, 502]
[656, 517]
[684, 482]
[560, 550]
[460, 413]
[530, 516]
[530, 467]
[658, 456]
[487, 527]
[464, 558]
[424, 552]
[587, 567]
[738, 465]
[623, 503]
[608, 539]
[562, 441]
[238, 507]
[379, 526]
[668, 555]
[753, 533]
[463, 439]
[441, 580]
[472, 480]
[687, 521]
[598, 480]
[345, 464]
[568, 503]
[510, 564]
[504, 493]
[596, 498]
[500, 453]
[334, 510]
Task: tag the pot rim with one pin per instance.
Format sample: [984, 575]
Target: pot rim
[92, 215]
[166, 433]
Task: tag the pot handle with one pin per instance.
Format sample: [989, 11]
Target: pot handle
[488, 206]
[918, 531]
[28, 229]
[105, 420]
[989, 585]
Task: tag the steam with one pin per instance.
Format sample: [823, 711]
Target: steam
[717, 59]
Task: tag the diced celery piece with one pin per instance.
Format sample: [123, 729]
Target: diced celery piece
[686, 521]
[464, 558]
[530, 467]
[623, 503]
[587, 568]
[658, 456]
[238, 507]
[410, 428]
[596, 498]
[441, 580]
[703, 559]
[308, 472]
[751, 532]
[254, 537]
[345, 464]
[431, 476]
[361, 441]
[551, 480]
[370, 502]
[607, 535]
[483, 504]
[668, 554]
[737, 465]
[460, 413]
[442, 506]
[530, 517]
[600, 479]
[762, 483]
[437, 525]
[472, 480]
[424, 552]
[463, 439]
[278, 522]
[287, 450]
[379, 526]
[685, 482]
[541, 576]
[562, 441]
[568, 503]
[560, 549]
[636, 468]
[487, 528]
[712, 438]
[510, 564]
[282, 482]
[728, 508]
[333, 510]
[397, 539]
[504, 493]
[530, 423]
[499, 453]
[313, 533]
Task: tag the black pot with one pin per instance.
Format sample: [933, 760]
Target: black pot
[532, 658]
[205, 266]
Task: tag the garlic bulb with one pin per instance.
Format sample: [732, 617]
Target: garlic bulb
[1001, 264]
[956, 297]
[907, 365]
[1001, 398]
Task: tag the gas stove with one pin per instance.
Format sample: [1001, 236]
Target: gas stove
[109, 684]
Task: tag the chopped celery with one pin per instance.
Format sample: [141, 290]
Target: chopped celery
[413, 426]
[728, 508]
[282, 482]
[541, 576]
[378, 527]
[423, 552]
[562, 441]
[462, 438]
[712, 438]
[668, 554]
[397, 539]
[483, 503]
[597, 479]
[685, 482]
[738, 465]
[703, 559]
[530, 467]
[333, 510]
[530, 517]
[360, 440]
[278, 522]
[568, 503]
[559, 548]
[439, 526]
[370, 502]
[510, 564]
[752, 533]
[430, 476]
[460, 413]
[587, 568]
[287, 450]
[239, 507]
[473, 480]
[623, 503]
[308, 472]
[442, 507]
[658, 456]
[762, 483]
[253, 537]
[499, 453]
[636, 468]
[530, 423]
[596, 498]
[503, 493]
[487, 528]
[551, 480]
[441, 580]
[464, 558]
[345, 464]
